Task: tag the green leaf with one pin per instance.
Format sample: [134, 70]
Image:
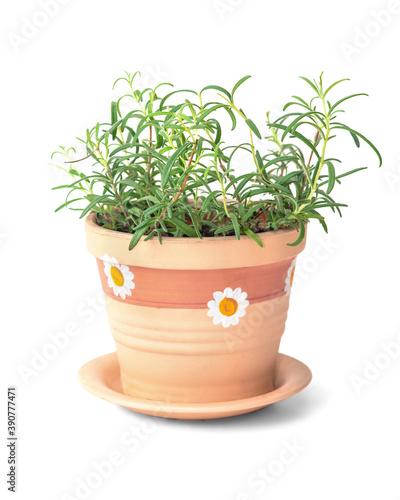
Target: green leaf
[207, 111]
[238, 84]
[299, 136]
[152, 209]
[332, 176]
[159, 138]
[236, 226]
[218, 130]
[298, 119]
[96, 200]
[138, 234]
[174, 92]
[293, 103]
[217, 87]
[88, 138]
[334, 85]
[288, 177]
[232, 116]
[67, 203]
[253, 128]
[279, 186]
[253, 236]
[185, 228]
[280, 159]
[259, 161]
[351, 172]
[211, 197]
[302, 233]
[302, 101]
[170, 163]
[114, 117]
[344, 99]
[355, 139]
[354, 132]
[312, 85]
[161, 84]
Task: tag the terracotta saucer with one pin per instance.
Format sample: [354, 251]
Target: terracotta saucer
[101, 377]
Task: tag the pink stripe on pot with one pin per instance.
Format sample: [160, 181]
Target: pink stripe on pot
[192, 289]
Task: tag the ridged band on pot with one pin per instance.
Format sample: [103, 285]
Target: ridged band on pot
[196, 320]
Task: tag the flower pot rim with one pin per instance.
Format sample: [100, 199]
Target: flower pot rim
[91, 224]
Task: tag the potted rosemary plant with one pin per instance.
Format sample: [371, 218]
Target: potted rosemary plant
[196, 254]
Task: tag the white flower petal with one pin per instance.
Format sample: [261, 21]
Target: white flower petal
[240, 313]
[288, 286]
[216, 314]
[236, 293]
[217, 319]
[129, 284]
[226, 321]
[218, 296]
[234, 320]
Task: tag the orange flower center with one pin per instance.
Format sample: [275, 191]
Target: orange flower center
[292, 276]
[117, 276]
[228, 306]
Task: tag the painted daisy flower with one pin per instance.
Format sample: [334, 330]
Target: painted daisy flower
[119, 276]
[228, 306]
[290, 276]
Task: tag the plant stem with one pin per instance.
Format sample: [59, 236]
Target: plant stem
[239, 199]
[253, 152]
[84, 158]
[276, 140]
[178, 194]
[121, 136]
[322, 158]
[309, 161]
[105, 164]
[251, 133]
[223, 190]
[273, 132]
[149, 160]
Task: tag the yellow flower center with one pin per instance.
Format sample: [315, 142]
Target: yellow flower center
[228, 306]
[117, 276]
[292, 276]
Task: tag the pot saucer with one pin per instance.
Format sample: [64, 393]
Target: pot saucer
[101, 377]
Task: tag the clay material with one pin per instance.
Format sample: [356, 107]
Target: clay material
[101, 377]
[196, 321]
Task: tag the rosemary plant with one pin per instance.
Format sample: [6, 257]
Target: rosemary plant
[162, 169]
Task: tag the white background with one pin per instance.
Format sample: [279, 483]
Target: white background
[56, 81]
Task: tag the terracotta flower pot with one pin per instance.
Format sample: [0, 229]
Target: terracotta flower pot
[195, 320]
